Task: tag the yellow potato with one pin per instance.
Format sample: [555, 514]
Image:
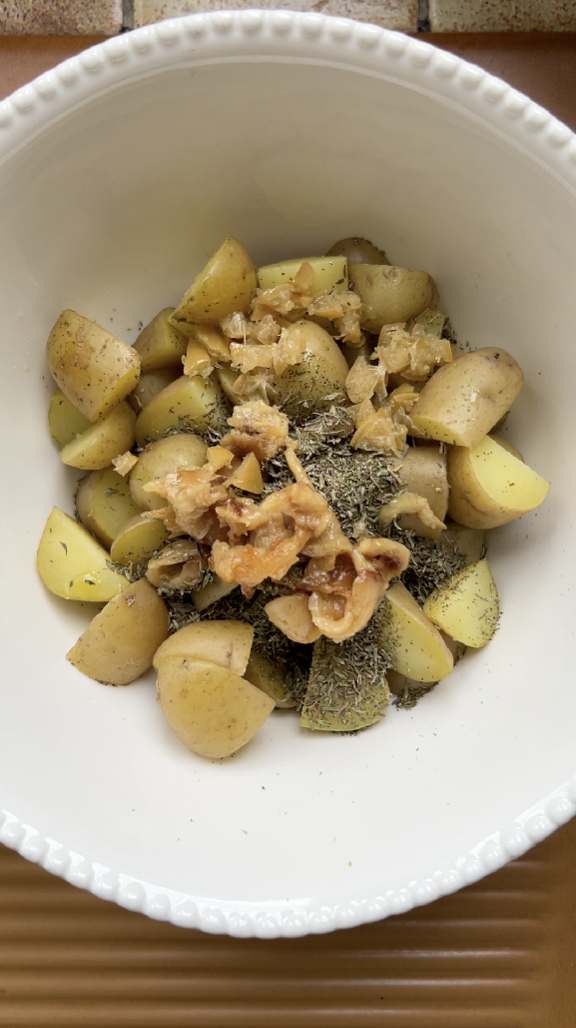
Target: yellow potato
[212, 710]
[468, 542]
[423, 471]
[225, 643]
[391, 295]
[138, 540]
[358, 251]
[211, 593]
[227, 284]
[150, 384]
[226, 377]
[464, 400]
[160, 344]
[329, 273]
[92, 367]
[467, 608]
[181, 450]
[104, 504]
[415, 646]
[120, 642]
[100, 444]
[65, 421]
[489, 486]
[73, 565]
[267, 676]
[187, 402]
[319, 379]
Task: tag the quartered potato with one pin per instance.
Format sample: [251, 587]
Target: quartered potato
[104, 504]
[226, 643]
[329, 273]
[227, 284]
[138, 540]
[212, 710]
[464, 399]
[100, 444]
[160, 345]
[391, 295]
[319, 378]
[150, 384]
[423, 471]
[92, 367]
[181, 450]
[120, 642]
[413, 642]
[73, 565]
[490, 486]
[467, 608]
[189, 402]
[65, 421]
[357, 251]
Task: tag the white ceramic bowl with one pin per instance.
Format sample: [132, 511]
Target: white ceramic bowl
[120, 172]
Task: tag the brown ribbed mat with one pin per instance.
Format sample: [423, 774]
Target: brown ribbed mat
[500, 954]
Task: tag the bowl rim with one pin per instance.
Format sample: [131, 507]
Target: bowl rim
[417, 64]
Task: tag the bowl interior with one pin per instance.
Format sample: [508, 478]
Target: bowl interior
[111, 209]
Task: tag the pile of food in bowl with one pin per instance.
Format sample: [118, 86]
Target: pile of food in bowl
[289, 479]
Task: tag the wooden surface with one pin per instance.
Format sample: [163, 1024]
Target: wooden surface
[500, 954]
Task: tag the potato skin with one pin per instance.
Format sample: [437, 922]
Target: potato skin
[138, 540]
[197, 401]
[120, 642]
[464, 400]
[212, 711]
[358, 251]
[92, 367]
[423, 472]
[225, 643]
[160, 345]
[225, 285]
[472, 503]
[100, 444]
[104, 504]
[390, 294]
[321, 374]
[182, 450]
[150, 384]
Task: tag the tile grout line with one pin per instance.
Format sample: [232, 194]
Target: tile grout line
[423, 23]
[127, 15]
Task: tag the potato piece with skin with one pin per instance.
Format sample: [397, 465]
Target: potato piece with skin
[160, 345]
[423, 471]
[65, 421]
[464, 399]
[73, 565]
[468, 542]
[227, 284]
[181, 450]
[150, 384]
[211, 593]
[138, 540]
[267, 676]
[92, 367]
[319, 378]
[120, 642]
[100, 444]
[391, 295]
[409, 636]
[358, 251]
[104, 504]
[329, 273]
[213, 711]
[225, 643]
[196, 402]
[467, 608]
[489, 486]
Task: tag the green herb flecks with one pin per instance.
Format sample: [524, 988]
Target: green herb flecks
[347, 688]
[412, 693]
